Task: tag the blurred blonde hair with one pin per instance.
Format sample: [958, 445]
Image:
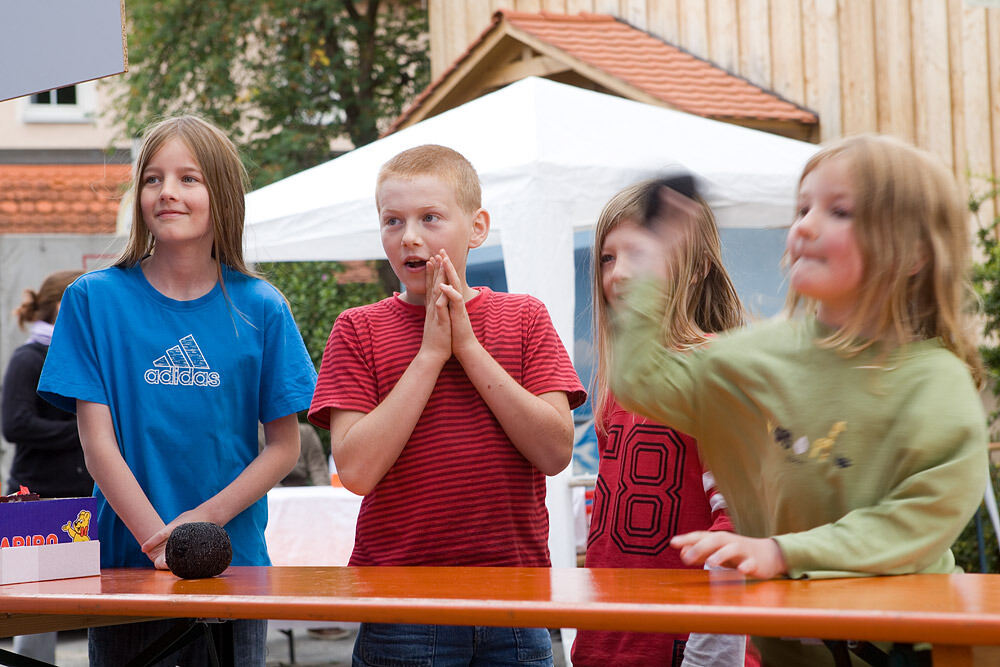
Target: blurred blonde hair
[440, 162]
[44, 304]
[912, 229]
[225, 179]
[701, 298]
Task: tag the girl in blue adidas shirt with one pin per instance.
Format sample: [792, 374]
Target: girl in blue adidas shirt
[170, 358]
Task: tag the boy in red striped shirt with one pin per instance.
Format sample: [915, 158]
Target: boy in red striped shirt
[447, 406]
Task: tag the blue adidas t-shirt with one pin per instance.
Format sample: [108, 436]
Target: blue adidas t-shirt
[186, 383]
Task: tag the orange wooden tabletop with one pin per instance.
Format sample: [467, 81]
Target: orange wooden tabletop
[947, 609]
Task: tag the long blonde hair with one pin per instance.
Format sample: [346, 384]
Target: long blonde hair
[911, 226]
[704, 305]
[225, 178]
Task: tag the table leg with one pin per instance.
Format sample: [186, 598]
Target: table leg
[291, 644]
[16, 660]
[951, 655]
[222, 639]
[181, 634]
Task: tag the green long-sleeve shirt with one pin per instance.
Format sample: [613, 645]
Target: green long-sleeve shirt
[871, 464]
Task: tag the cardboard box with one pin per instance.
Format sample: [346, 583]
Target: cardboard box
[50, 561]
[55, 521]
[48, 539]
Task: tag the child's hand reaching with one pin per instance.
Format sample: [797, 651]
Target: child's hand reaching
[754, 557]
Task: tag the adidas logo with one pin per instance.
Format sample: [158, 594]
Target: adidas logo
[183, 365]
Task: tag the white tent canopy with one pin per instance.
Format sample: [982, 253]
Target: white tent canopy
[549, 157]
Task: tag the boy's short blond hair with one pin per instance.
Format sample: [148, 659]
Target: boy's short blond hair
[439, 161]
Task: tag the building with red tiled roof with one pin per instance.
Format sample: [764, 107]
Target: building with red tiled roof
[604, 53]
[84, 199]
[63, 167]
[61, 198]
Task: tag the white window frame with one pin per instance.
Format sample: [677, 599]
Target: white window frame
[81, 112]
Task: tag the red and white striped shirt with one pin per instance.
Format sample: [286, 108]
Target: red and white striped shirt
[460, 493]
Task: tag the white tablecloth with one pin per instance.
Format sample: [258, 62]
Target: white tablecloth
[311, 525]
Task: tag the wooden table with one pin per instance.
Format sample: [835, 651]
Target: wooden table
[953, 612]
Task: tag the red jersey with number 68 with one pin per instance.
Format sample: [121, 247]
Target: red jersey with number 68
[650, 487]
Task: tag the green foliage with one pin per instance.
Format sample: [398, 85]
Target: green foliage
[316, 298]
[986, 279]
[283, 77]
[966, 547]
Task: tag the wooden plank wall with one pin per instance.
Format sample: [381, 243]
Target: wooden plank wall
[925, 70]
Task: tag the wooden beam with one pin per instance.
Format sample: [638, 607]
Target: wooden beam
[755, 42]
[519, 69]
[724, 34]
[694, 27]
[993, 56]
[577, 6]
[456, 76]
[663, 19]
[787, 78]
[439, 50]
[932, 87]
[894, 71]
[976, 96]
[635, 12]
[860, 101]
[821, 48]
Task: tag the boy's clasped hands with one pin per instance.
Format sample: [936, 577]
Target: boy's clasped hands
[447, 329]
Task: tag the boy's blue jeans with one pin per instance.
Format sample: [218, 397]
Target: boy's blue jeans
[405, 645]
[115, 645]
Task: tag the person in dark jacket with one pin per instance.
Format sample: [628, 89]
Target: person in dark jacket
[48, 458]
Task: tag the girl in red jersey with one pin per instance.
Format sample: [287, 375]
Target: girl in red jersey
[651, 484]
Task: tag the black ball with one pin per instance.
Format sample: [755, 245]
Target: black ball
[198, 550]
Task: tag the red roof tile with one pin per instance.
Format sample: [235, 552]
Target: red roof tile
[680, 79]
[61, 198]
[658, 68]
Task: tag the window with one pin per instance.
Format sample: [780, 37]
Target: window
[65, 95]
[70, 104]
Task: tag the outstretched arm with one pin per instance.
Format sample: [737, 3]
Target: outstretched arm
[540, 427]
[909, 530]
[937, 482]
[647, 377]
